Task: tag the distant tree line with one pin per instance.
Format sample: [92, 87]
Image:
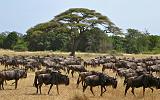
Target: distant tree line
[94, 40]
[84, 30]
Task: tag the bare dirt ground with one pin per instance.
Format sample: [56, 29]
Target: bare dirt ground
[26, 91]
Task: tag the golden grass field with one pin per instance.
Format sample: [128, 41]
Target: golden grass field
[26, 91]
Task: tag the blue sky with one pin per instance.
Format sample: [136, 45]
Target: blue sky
[20, 15]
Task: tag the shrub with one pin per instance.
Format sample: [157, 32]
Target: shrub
[20, 48]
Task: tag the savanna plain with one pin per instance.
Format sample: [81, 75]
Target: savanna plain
[26, 91]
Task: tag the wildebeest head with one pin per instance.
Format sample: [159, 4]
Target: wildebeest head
[66, 78]
[21, 73]
[157, 83]
[111, 81]
[24, 74]
[114, 83]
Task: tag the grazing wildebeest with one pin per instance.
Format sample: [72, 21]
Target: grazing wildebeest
[96, 80]
[15, 74]
[145, 81]
[108, 66]
[11, 62]
[75, 68]
[53, 78]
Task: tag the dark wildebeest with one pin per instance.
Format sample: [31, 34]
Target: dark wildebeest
[102, 80]
[43, 71]
[145, 81]
[83, 75]
[15, 74]
[53, 78]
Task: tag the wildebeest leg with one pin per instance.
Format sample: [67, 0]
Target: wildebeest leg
[16, 82]
[127, 87]
[132, 91]
[84, 87]
[6, 66]
[78, 81]
[5, 82]
[50, 88]
[143, 90]
[2, 85]
[91, 90]
[103, 68]
[82, 82]
[68, 70]
[102, 90]
[37, 88]
[57, 89]
[151, 89]
[72, 72]
[40, 88]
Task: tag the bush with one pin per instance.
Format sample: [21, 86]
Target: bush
[156, 51]
[20, 48]
[115, 53]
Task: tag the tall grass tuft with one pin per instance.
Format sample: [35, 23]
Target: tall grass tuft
[79, 97]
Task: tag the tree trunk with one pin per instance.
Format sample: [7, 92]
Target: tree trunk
[74, 45]
[72, 53]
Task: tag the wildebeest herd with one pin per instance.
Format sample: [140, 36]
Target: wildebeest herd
[54, 70]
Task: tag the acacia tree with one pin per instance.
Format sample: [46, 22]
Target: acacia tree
[80, 20]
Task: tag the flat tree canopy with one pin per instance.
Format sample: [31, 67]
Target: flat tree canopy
[80, 20]
[74, 23]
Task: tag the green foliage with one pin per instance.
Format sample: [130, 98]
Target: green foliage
[10, 40]
[136, 41]
[118, 43]
[83, 30]
[21, 45]
[94, 40]
[156, 50]
[154, 42]
[2, 38]
[79, 21]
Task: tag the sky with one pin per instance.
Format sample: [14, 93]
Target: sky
[20, 15]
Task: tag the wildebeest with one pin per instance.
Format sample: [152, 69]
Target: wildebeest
[102, 80]
[53, 78]
[83, 75]
[11, 62]
[145, 81]
[108, 66]
[43, 71]
[75, 68]
[15, 74]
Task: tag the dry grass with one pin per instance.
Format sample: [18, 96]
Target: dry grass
[26, 91]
